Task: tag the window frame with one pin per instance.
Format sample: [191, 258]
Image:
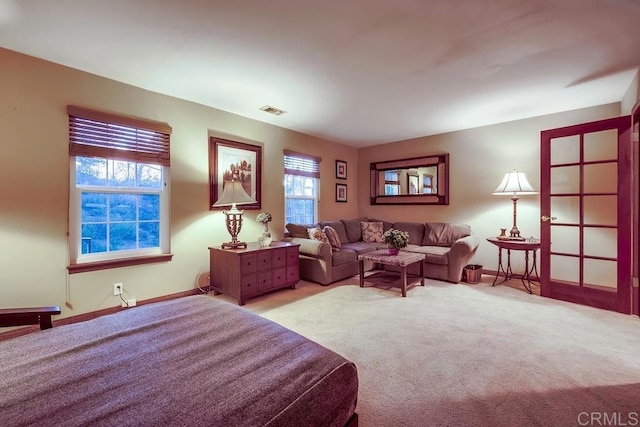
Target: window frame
[156, 153]
[305, 166]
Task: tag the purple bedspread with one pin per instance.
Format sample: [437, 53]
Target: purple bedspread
[190, 361]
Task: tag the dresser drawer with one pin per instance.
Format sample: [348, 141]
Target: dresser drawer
[279, 277]
[293, 274]
[264, 260]
[293, 256]
[264, 281]
[248, 263]
[248, 285]
[279, 258]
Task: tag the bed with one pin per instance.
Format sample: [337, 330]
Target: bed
[189, 361]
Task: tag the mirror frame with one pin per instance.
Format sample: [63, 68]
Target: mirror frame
[440, 198]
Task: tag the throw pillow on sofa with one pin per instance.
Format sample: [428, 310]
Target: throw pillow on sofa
[332, 236]
[371, 232]
[316, 233]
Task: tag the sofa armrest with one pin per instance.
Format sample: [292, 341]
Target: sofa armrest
[311, 247]
[460, 254]
[465, 245]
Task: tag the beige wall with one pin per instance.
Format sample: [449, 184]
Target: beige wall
[632, 95]
[34, 170]
[478, 160]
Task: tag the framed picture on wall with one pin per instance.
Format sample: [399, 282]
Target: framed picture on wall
[341, 192]
[341, 169]
[234, 161]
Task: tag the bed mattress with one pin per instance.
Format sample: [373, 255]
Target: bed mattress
[189, 361]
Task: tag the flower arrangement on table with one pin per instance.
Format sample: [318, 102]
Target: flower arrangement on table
[395, 239]
[264, 218]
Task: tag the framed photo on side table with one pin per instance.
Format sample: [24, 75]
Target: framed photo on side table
[341, 169]
[234, 161]
[341, 192]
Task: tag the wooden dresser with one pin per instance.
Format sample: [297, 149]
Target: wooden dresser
[249, 272]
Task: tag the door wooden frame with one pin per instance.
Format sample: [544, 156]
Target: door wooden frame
[635, 142]
[587, 295]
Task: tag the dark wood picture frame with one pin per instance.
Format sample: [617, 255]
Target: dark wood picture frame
[235, 160]
[341, 192]
[341, 169]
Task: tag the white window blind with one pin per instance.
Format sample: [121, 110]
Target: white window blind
[301, 164]
[99, 134]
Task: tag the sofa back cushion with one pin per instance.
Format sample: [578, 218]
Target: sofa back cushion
[415, 230]
[444, 234]
[298, 230]
[338, 226]
[353, 229]
[371, 231]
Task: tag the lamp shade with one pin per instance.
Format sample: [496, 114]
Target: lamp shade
[233, 194]
[514, 184]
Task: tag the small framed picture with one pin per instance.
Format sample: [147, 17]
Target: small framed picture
[341, 192]
[341, 169]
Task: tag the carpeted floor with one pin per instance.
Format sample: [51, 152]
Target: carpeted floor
[471, 355]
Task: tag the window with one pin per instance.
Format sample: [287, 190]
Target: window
[427, 184]
[301, 188]
[391, 183]
[119, 190]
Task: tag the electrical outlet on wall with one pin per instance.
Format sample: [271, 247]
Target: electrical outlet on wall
[118, 288]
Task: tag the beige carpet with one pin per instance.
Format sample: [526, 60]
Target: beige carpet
[471, 355]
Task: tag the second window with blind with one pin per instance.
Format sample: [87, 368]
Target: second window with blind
[301, 187]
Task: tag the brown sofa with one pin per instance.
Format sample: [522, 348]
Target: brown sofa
[448, 249]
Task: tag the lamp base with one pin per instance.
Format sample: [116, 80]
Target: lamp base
[234, 224]
[514, 234]
[238, 245]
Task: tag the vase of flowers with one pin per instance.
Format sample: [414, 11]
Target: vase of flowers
[395, 240]
[264, 218]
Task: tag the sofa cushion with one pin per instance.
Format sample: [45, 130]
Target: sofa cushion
[338, 226]
[362, 247]
[415, 230]
[353, 228]
[371, 231]
[332, 235]
[315, 233]
[433, 254]
[343, 257]
[297, 230]
[444, 234]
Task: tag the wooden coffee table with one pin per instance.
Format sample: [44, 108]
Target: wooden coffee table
[402, 260]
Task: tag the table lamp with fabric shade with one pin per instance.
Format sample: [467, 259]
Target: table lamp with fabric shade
[233, 194]
[514, 184]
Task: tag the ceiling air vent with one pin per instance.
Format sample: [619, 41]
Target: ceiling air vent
[272, 110]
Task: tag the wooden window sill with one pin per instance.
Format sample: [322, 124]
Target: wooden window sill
[116, 263]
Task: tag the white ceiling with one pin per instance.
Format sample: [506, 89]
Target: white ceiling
[359, 72]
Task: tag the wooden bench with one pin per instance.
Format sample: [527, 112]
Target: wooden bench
[28, 316]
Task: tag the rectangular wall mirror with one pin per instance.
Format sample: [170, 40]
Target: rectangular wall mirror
[416, 180]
